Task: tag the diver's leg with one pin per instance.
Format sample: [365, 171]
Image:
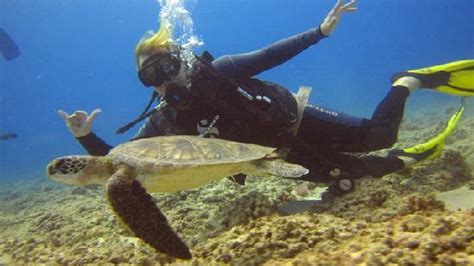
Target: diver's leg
[339, 170]
[329, 130]
[327, 166]
[323, 129]
[382, 130]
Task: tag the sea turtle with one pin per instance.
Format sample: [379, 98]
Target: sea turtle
[165, 164]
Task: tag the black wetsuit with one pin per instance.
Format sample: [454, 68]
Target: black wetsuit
[324, 138]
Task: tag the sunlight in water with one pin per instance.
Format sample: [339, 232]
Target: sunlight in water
[177, 15]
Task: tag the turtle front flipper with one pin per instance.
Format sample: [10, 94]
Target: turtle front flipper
[136, 208]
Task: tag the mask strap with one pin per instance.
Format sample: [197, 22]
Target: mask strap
[142, 116]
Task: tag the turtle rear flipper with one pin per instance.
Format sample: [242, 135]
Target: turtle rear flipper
[136, 208]
[279, 167]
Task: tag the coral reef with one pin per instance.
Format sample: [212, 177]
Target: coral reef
[422, 238]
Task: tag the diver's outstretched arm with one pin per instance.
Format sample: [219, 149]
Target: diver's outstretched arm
[246, 65]
[330, 22]
[79, 124]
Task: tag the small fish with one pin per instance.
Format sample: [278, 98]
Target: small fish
[8, 47]
[8, 136]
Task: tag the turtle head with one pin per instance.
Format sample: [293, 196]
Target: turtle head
[79, 170]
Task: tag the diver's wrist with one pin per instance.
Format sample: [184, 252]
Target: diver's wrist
[84, 135]
[320, 32]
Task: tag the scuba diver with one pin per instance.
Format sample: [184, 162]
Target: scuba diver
[220, 98]
[8, 47]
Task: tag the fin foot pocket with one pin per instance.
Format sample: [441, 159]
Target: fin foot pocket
[433, 147]
[455, 78]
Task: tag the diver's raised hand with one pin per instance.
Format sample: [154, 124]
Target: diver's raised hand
[330, 22]
[79, 123]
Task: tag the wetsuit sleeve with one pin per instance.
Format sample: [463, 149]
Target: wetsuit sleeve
[243, 66]
[94, 145]
[98, 147]
[160, 123]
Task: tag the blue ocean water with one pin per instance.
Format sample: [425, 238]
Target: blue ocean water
[79, 55]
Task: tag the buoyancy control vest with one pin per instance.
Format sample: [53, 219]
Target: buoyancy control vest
[240, 118]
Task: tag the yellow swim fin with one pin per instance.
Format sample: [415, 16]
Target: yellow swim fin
[456, 78]
[432, 148]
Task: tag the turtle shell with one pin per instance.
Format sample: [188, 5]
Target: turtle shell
[185, 150]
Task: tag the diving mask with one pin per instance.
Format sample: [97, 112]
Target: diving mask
[159, 68]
